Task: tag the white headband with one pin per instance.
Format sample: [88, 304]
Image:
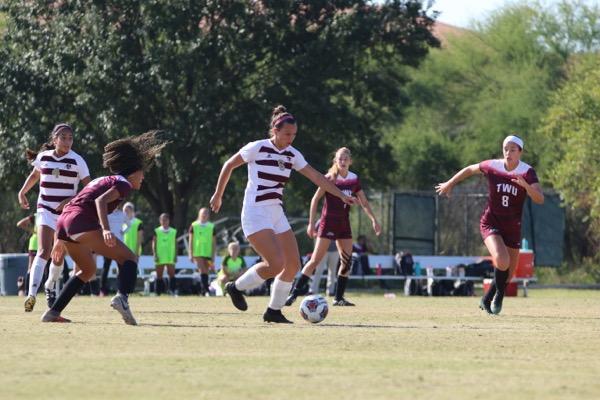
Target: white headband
[514, 139]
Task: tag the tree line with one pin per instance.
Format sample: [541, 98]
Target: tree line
[370, 76]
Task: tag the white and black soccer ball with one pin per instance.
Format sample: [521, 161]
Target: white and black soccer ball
[314, 308]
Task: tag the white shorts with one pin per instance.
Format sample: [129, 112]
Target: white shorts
[47, 218]
[258, 218]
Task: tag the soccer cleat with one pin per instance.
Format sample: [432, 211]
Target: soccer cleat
[50, 297]
[497, 303]
[237, 297]
[119, 303]
[54, 316]
[275, 316]
[485, 305]
[290, 300]
[343, 302]
[29, 303]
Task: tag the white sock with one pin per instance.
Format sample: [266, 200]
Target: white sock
[53, 274]
[36, 274]
[249, 280]
[279, 293]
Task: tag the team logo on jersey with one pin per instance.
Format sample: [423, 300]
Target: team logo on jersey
[281, 164]
[68, 166]
[56, 172]
[329, 234]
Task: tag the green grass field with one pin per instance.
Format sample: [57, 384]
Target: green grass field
[545, 346]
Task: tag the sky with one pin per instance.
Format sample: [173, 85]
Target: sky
[460, 12]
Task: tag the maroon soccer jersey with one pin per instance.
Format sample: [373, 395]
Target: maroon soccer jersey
[505, 198]
[334, 207]
[80, 214]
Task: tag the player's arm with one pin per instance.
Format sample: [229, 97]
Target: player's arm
[311, 229]
[31, 180]
[321, 181]
[26, 225]
[367, 207]
[446, 187]
[110, 195]
[234, 162]
[534, 190]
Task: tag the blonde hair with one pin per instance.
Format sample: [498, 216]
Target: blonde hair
[232, 244]
[334, 171]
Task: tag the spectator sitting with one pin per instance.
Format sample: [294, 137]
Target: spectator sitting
[232, 266]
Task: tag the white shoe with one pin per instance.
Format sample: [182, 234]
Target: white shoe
[119, 303]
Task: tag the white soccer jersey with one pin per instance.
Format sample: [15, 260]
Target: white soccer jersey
[268, 171]
[59, 177]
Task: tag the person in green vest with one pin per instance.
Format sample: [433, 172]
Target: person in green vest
[29, 224]
[134, 234]
[232, 266]
[203, 246]
[164, 248]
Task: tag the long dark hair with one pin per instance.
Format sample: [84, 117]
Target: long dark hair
[49, 145]
[128, 155]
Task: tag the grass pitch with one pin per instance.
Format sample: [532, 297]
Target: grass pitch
[545, 346]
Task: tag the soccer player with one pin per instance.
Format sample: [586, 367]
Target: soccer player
[84, 229]
[203, 246]
[133, 231]
[164, 248]
[334, 226]
[510, 180]
[59, 170]
[270, 163]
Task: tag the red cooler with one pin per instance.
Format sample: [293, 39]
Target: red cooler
[525, 264]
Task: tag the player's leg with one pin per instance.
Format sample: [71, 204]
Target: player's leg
[45, 239]
[172, 279]
[345, 251]
[127, 270]
[500, 255]
[160, 282]
[282, 284]
[84, 259]
[202, 264]
[317, 256]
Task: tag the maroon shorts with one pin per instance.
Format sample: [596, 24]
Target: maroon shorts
[508, 230]
[335, 228]
[72, 223]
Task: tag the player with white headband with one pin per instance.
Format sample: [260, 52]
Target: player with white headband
[510, 180]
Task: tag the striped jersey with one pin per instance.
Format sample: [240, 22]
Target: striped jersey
[505, 198]
[268, 171]
[59, 177]
[334, 207]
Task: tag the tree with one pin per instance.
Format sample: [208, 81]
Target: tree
[207, 73]
[572, 124]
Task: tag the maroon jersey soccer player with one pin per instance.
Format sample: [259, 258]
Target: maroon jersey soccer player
[334, 225]
[84, 229]
[510, 180]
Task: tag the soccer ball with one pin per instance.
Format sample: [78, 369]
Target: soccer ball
[314, 308]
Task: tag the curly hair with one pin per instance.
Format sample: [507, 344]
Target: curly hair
[128, 155]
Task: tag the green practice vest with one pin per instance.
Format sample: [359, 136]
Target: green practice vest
[131, 236]
[165, 246]
[202, 245]
[33, 242]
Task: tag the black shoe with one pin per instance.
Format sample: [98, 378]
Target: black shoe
[275, 316]
[291, 299]
[486, 305]
[497, 303]
[50, 297]
[343, 302]
[237, 297]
